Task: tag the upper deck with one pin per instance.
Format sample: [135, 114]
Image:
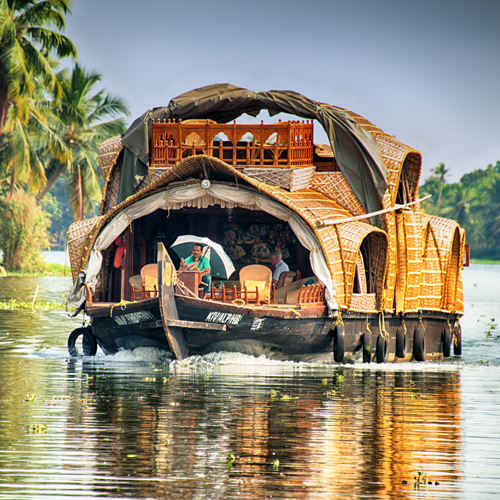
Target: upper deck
[282, 144]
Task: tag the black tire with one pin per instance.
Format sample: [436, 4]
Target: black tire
[401, 339]
[447, 341]
[89, 342]
[419, 343]
[339, 343]
[382, 349]
[457, 340]
[367, 346]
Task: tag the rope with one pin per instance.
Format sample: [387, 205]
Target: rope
[381, 324]
[367, 327]
[122, 304]
[339, 319]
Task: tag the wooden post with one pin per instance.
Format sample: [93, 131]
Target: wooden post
[167, 279]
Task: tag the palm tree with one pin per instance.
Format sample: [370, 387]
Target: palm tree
[441, 171]
[26, 43]
[25, 130]
[82, 120]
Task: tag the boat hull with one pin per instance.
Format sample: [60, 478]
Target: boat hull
[281, 332]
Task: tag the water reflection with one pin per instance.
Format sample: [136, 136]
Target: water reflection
[139, 425]
[142, 432]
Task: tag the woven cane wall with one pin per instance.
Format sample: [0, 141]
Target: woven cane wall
[77, 234]
[111, 190]
[108, 154]
[331, 248]
[335, 186]
[431, 279]
[410, 251]
[404, 165]
[351, 236]
[453, 272]
[388, 224]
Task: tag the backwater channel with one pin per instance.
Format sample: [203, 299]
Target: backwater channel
[141, 425]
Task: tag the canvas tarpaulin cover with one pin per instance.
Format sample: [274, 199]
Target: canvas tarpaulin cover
[356, 151]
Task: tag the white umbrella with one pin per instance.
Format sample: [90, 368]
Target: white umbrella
[221, 265]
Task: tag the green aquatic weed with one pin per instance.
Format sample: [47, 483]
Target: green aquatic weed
[421, 480]
[324, 381]
[276, 464]
[340, 378]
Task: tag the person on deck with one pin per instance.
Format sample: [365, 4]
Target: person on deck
[197, 259]
[280, 266]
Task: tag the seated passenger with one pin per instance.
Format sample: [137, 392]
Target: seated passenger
[200, 261]
[280, 266]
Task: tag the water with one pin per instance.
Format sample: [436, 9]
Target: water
[141, 425]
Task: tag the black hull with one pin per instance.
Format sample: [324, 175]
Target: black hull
[281, 331]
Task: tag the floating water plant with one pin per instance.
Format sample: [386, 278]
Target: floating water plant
[165, 379]
[36, 428]
[206, 377]
[340, 378]
[231, 460]
[273, 393]
[324, 381]
[421, 480]
[491, 327]
[276, 464]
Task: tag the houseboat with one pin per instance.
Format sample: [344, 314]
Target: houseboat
[370, 275]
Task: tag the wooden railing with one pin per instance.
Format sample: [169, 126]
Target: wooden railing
[282, 144]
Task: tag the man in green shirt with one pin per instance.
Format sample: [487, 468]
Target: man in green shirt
[201, 262]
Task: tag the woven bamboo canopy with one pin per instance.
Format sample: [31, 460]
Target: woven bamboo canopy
[415, 260]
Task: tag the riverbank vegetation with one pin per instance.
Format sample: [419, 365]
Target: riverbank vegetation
[52, 121]
[474, 202]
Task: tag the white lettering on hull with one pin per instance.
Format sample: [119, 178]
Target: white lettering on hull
[257, 324]
[224, 318]
[134, 318]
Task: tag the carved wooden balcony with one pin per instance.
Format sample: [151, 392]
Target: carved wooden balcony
[283, 144]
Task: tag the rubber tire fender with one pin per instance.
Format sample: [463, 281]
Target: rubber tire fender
[89, 342]
[419, 343]
[367, 346]
[457, 340]
[339, 343]
[382, 349]
[447, 341]
[401, 339]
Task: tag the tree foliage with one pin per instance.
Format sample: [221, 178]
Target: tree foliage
[473, 201]
[23, 232]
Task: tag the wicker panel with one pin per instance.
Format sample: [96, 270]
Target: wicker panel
[453, 273]
[331, 248]
[77, 234]
[291, 179]
[431, 279]
[335, 186]
[361, 273]
[402, 262]
[111, 190]
[404, 165]
[108, 153]
[363, 302]
[409, 234]
[153, 175]
[351, 235]
[388, 224]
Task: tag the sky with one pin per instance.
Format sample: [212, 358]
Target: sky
[424, 71]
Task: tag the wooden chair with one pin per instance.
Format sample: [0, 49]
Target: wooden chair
[135, 287]
[255, 283]
[286, 278]
[149, 276]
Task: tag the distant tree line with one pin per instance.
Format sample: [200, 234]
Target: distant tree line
[51, 124]
[473, 201]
